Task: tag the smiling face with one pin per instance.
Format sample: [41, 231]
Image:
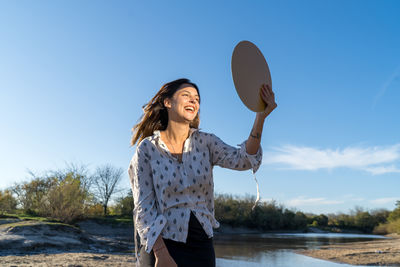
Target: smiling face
[184, 104]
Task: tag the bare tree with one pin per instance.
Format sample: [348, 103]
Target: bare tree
[77, 170]
[105, 184]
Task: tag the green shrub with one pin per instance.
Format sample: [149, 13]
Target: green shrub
[124, 205]
[8, 203]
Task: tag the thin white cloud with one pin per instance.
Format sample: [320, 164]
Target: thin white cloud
[386, 200]
[375, 160]
[359, 199]
[391, 79]
[303, 201]
[383, 169]
[351, 197]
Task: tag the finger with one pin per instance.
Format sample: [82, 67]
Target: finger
[262, 90]
[266, 92]
[271, 94]
[262, 94]
[265, 88]
[270, 90]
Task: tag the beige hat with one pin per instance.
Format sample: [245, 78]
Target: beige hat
[250, 71]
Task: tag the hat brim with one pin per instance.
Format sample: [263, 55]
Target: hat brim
[249, 72]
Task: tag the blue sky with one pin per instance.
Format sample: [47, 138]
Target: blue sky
[75, 74]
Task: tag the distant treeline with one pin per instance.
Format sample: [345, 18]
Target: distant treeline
[73, 194]
[267, 216]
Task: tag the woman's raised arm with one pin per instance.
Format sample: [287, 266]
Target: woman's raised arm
[253, 142]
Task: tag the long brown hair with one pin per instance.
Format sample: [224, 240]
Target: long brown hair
[155, 115]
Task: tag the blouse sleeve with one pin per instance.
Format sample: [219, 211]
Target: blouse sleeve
[231, 157]
[148, 222]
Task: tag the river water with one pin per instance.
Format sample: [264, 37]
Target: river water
[277, 250]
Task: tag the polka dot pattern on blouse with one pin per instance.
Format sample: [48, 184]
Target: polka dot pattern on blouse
[166, 190]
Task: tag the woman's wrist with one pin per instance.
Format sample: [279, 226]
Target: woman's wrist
[159, 246]
[261, 115]
[159, 252]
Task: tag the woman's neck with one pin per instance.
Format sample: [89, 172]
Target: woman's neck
[176, 132]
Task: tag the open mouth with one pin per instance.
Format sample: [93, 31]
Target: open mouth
[190, 109]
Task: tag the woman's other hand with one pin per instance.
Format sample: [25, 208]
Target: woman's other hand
[268, 96]
[164, 259]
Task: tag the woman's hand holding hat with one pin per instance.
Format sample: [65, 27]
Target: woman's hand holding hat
[268, 96]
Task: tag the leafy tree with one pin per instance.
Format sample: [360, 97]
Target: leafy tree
[95, 209]
[300, 221]
[380, 215]
[392, 224]
[66, 200]
[318, 220]
[30, 195]
[125, 205]
[364, 221]
[395, 214]
[266, 216]
[76, 171]
[271, 216]
[7, 202]
[60, 194]
[288, 219]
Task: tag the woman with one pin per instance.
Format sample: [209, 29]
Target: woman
[171, 175]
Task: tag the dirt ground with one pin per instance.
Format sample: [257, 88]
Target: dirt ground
[378, 252]
[94, 244]
[69, 260]
[34, 243]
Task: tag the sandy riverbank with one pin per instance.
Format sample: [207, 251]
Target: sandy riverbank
[91, 243]
[69, 259]
[378, 252]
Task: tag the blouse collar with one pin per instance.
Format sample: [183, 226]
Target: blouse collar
[157, 133]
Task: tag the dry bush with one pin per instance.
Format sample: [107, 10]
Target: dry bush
[66, 200]
[8, 203]
[95, 210]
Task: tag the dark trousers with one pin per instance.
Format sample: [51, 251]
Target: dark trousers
[197, 251]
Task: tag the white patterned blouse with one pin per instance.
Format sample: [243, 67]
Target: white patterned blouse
[166, 190]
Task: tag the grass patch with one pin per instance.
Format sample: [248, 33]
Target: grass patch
[29, 223]
[113, 220]
[26, 217]
[8, 216]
